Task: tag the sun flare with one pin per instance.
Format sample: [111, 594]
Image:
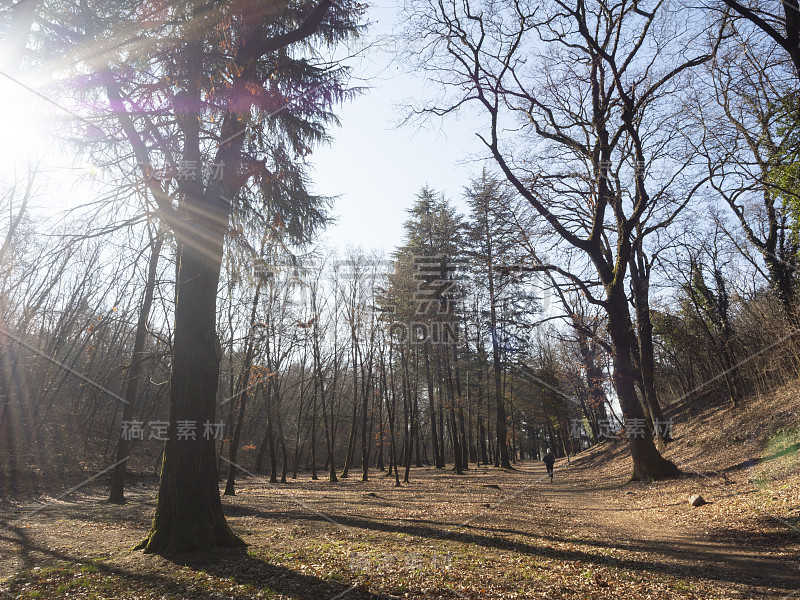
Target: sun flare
[26, 123]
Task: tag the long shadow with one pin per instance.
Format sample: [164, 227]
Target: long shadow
[92, 509]
[771, 535]
[775, 572]
[22, 540]
[752, 462]
[244, 568]
[755, 540]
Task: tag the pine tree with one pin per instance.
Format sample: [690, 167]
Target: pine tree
[423, 290]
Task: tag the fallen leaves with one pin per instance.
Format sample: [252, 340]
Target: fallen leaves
[487, 534]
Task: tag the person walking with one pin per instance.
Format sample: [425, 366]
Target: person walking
[549, 460]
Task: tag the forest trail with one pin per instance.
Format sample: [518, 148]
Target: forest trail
[603, 507]
[484, 535]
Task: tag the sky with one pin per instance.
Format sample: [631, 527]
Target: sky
[375, 166]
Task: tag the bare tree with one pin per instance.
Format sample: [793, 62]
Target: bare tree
[602, 90]
[746, 109]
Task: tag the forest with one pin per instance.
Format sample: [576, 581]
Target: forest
[615, 284]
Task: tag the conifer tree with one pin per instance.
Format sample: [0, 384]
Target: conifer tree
[218, 104]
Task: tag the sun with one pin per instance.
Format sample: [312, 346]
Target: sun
[26, 120]
[33, 148]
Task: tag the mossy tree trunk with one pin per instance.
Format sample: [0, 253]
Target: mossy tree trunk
[648, 464]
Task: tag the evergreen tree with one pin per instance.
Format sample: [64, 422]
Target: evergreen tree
[424, 291]
[497, 269]
[218, 104]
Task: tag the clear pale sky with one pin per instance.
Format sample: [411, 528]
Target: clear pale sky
[376, 167]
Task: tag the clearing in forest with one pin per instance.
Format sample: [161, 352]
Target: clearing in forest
[487, 534]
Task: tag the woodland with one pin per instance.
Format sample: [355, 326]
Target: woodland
[616, 283]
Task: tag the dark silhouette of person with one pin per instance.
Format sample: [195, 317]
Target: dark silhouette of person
[549, 460]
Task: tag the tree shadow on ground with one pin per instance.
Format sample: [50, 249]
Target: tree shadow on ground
[753, 462]
[137, 511]
[770, 533]
[709, 561]
[224, 563]
[250, 570]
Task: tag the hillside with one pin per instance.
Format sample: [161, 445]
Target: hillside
[743, 461]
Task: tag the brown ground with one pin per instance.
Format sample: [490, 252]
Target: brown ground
[488, 534]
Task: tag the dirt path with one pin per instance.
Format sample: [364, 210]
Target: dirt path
[485, 535]
[604, 507]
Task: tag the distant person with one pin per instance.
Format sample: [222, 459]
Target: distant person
[549, 460]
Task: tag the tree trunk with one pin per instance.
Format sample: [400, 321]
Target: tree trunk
[482, 433]
[513, 423]
[411, 403]
[281, 438]
[380, 464]
[416, 424]
[262, 447]
[501, 459]
[273, 455]
[364, 438]
[189, 512]
[314, 475]
[432, 407]
[117, 494]
[473, 451]
[459, 400]
[392, 408]
[297, 446]
[640, 285]
[243, 389]
[648, 464]
[351, 442]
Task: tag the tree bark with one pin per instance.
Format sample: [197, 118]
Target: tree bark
[117, 494]
[189, 512]
[432, 408]
[640, 286]
[648, 464]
